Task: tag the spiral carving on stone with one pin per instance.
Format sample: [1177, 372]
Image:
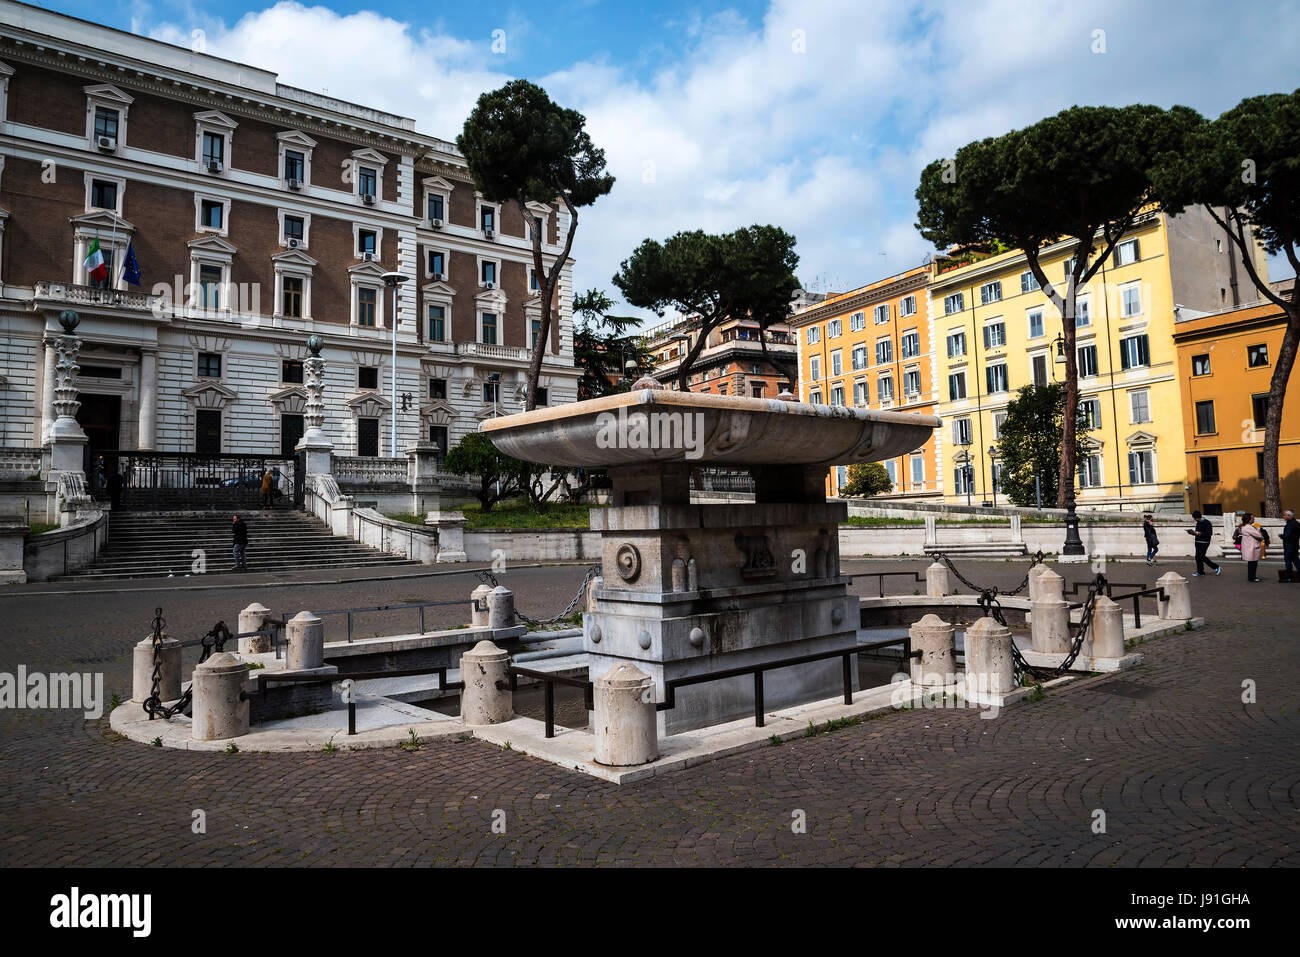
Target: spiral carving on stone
[628, 560]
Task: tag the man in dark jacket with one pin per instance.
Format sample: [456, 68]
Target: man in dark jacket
[1291, 546]
[240, 531]
[1204, 533]
[1153, 543]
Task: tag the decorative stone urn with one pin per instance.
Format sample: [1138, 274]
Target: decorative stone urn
[690, 590]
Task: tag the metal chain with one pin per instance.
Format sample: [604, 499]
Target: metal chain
[215, 639]
[988, 602]
[487, 578]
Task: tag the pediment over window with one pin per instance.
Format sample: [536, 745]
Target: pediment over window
[494, 297]
[437, 289]
[296, 138]
[291, 400]
[106, 91]
[294, 257]
[437, 183]
[213, 245]
[99, 220]
[437, 412]
[210, 395]
[370, 270]
[369, 405]
[369, 156]
[1141, 439]
[214, 118]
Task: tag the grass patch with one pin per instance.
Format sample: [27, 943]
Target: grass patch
[520, 515]
[232, 748]
[330, 747]
[37, 528]
[1038, 694]
[412, 743]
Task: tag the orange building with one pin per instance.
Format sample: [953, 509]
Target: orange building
[733, 360]
[871, 347]
[1225, 365]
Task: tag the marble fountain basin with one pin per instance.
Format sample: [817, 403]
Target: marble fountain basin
[657, 425]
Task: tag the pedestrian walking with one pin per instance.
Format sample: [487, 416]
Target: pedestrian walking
[115, 487]
[268, 490]
[1203, 533]
[1153, 541]
[1252, 545]
[1290, 547]
[239, 530]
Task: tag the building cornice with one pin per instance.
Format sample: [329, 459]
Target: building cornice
[200, 92]
[854, 301]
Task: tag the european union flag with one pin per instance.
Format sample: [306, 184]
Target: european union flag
[131, 268]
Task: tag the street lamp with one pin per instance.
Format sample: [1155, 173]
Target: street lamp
[495, 379]
[993, 474]
[392, 280]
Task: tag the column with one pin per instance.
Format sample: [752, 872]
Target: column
[148, 399]
[45, 411]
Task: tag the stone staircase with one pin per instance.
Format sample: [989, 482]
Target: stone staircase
[152, 544]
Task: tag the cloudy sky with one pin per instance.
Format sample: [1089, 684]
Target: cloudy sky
[815, 116]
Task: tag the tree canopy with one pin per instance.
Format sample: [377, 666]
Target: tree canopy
[603, 345]
[866, 479]
[1083, 174]
[1244, 167]
[1031, 440]
[522, 147]
[711, 278]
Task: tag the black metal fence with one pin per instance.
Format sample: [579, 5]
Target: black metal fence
[721, 480]
[146, 478]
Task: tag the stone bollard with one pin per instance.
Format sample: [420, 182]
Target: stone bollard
[220, 704]
[1049, 612]
[501, 607]
[169, 685]
[990, 668]
[486, 698]
[253, 618]
[936, 640]
[625, 722]
[1106, 633]
[306, 641]
[1055, 585]
[1177, 603]
[936, 580]
[479, 605]
[931, 534]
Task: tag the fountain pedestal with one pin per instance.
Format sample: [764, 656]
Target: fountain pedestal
[689, 590]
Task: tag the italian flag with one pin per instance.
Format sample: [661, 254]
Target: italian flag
[95, 263]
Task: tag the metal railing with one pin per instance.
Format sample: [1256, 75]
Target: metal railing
[721, 480]
[881, 576]
[351, 696]
[550, 680]
[420, 606]
[756, 670]
[1157, 592]
[190, 476]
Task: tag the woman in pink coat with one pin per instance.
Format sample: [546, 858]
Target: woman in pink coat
[1252, 545]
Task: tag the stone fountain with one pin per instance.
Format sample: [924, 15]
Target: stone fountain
[689, 590]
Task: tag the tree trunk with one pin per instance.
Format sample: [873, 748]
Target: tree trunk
[781, 367]
[684, 368]
[547, 281]
[1273, 418]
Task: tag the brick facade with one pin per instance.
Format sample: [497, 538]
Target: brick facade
[149, 336]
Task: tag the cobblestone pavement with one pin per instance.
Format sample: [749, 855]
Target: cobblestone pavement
[1185, 773]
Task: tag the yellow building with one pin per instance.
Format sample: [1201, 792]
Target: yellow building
[872, 347]
[995, 331]
[1225, 365]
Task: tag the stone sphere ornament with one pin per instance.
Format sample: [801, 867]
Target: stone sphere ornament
[647, 382]
[314, 344]
[69, 320]
[628, 560]
[697, 637]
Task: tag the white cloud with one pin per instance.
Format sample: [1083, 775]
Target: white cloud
[736, 125]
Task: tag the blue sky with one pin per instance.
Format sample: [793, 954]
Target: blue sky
[815, 116]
